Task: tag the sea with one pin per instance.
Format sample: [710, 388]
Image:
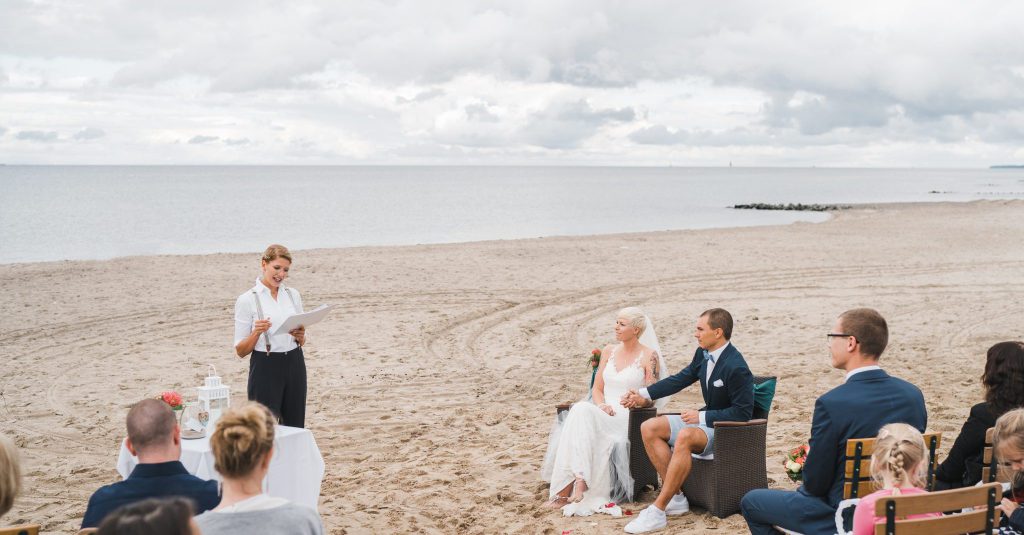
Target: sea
[52, 213]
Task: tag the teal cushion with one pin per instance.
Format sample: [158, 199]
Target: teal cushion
[763, 394]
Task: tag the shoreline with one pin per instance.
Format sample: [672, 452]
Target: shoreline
[432, 385]
[832, 215]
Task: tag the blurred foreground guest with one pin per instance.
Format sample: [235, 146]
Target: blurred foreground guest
[155, 438]
[169, 516]
[1003, 382]
[243, 444]
[10, 474]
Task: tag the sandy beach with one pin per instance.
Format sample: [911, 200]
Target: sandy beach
[432, 388]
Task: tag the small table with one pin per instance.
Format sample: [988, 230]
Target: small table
[296, 470]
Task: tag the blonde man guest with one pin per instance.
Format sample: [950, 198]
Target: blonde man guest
[277, 368]
[243, 444]
[10, 474]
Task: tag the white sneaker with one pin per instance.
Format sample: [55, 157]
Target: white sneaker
[678, 505]
[650, 519]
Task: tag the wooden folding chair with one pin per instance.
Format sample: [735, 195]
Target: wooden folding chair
[990, 471]
[979, 513]
[24, 529]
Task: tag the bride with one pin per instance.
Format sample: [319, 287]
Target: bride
[587, 463]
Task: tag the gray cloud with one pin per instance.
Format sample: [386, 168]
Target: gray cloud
[201, 140]
[37, 135]
[89, 133]
[565, 125]
[2, 130]
[237, 142]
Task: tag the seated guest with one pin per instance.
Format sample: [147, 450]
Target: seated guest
[243, 444]
[10, 474]
[153, 516]
[1003, 381]
[155, 438]
[898, 466]
[1008, 447]
[868, 399]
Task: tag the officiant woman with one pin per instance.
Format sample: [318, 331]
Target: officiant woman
[277, 369]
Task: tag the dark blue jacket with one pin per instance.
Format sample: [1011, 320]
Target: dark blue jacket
[731, 402]
[151, 481]
[855, 409]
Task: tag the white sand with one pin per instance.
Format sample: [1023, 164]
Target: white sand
[432, 388]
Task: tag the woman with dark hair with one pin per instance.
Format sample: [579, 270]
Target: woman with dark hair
[1003, 381]
[155, 516]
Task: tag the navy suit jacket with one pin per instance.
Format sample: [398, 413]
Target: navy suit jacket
[156, 480]
[855, 409]
[733, 401]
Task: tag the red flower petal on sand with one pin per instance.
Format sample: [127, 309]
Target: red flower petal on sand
[628, 512]
[610, 505]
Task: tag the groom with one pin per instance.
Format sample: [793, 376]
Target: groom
[728, 389]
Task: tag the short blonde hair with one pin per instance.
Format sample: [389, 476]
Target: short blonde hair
[899, 457]
[10, 474]
[243, 436]
[275, 251]
[636, 318]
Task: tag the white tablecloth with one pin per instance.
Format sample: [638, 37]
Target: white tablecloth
[296, 470]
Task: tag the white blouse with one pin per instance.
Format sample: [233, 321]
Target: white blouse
[276, 311]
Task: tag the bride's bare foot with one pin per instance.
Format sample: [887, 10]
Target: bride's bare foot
[578, 488]
[557, 502]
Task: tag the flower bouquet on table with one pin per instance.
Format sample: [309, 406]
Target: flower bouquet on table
[794, 462]
[175, 401]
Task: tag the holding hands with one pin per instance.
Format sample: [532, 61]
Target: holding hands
[633, 400]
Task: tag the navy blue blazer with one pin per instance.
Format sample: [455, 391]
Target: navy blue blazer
[855, 409]
[152, 481]
[733, 401]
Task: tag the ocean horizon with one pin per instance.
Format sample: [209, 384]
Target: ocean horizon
[52, 213]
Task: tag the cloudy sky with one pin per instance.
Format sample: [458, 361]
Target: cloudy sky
[520, 82]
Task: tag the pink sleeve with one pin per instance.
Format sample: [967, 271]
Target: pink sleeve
[864, 515]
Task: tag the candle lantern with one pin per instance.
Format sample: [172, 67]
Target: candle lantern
[214, 397]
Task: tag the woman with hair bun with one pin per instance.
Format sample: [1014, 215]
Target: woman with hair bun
[277, 368]
[1003, 381]
[243, 444]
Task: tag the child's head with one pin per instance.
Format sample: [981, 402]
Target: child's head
[899, 457]
[1008, 440]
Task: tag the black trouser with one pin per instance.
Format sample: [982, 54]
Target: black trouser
[278, 380]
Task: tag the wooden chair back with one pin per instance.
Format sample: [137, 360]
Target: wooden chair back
[24, 529]
[990, 471]
[857, 475]
[983, 516]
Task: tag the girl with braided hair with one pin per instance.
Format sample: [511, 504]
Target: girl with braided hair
[1008, 447]
[898, 466]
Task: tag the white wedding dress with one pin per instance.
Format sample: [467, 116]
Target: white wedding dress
[594, 445]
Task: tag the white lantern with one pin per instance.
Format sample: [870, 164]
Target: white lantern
[214, 397]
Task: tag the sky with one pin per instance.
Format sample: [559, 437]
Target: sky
[550, 82]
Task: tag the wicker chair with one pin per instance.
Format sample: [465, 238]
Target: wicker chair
[716, 486]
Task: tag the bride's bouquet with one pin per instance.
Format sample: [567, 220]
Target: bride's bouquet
[594, 361]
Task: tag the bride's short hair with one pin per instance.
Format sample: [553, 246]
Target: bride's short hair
[635, 316]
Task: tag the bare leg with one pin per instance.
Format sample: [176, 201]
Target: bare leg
[690, 439]
[655, 433]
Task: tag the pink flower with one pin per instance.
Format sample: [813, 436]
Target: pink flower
[171, 398]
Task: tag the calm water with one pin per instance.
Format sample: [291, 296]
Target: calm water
[85, 212]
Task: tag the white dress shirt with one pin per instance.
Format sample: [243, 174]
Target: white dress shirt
[851, 373]
[711, 367]
[275, 310]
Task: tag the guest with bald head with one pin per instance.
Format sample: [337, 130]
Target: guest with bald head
[155, 438]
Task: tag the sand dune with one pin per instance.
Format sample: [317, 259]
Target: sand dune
[432, 388]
